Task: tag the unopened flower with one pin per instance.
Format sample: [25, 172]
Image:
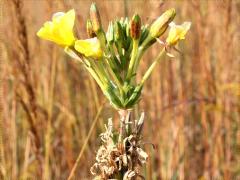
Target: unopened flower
[160, 25]
[89, 47]
[60, 29]
[177, 32]
[95, 18]
[135, 27]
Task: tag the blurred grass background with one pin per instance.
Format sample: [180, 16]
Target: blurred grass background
[192, 102]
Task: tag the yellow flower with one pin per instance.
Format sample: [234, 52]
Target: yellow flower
[89, 47]
[177, 32]
[60, 29]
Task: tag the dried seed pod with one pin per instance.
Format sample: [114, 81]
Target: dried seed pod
[95, 18]
[135, 27]
[160, 25]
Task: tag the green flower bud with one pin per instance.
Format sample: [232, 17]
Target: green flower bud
[95, 18]
[160, 25]
[135, 27]
[90, 31]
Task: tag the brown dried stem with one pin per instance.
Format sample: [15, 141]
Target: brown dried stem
[121, 159]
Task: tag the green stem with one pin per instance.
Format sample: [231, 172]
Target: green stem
[142, 48]
[103, 64]
[138, 57]
[114, 76]
[88, 65]
[94, 74]
[99, 70]
[114, 62]
[153, 65]
[97, 79]
[132, 60]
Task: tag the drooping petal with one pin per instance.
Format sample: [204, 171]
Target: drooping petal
[177, 32]
[89, 47]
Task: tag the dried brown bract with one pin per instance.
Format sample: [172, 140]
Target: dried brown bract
[123, 158]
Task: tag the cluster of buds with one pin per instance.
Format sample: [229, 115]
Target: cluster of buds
[120, 160]
[113, 57]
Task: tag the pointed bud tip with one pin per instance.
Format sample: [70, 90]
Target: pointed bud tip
[171, 12]
[160, 25]
[93, 7]
[95, 17]
[136, 18]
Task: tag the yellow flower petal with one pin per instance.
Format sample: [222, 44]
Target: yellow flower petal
[60, 29]
[177, 32]
[89, 47]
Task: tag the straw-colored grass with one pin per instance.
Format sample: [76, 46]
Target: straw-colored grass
[192, 102]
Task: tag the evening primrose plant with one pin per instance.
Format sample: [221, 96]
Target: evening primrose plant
[112, 58]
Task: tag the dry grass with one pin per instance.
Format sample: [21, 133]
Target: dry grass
[192, 103]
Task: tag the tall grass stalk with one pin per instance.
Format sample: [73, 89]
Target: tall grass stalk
[50, 105]
[71, 175]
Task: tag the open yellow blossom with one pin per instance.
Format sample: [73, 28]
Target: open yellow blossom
[60, 29]
[177, 32]
[89, 47]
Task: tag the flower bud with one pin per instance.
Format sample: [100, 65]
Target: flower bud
[95, 18]
[90, 31]
[135, 27]
[160, 25]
